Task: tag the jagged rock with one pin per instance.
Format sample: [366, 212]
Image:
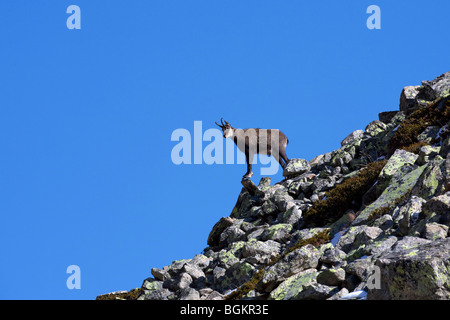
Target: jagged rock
[375, 128]
[434, 231]
[331, 277]
[230, 256]
[354, 237]
[409, 243]
[445, 148]
[214, 296]
[296, 261]
[398, 160]
[189, 294]
[422, 273]
[316, 291]
[153, 290]
[427, 153]
[158, 273]
[398, 188]
[175, 283]
[290, 288]
[387, 116]
[194, 271]
[291, 216]
[219, 227]
[296, 167]
[384, 222]
[439, 205]
[278, 232]
[333, 256]
[409, 214]
[355, 135]
[252, 188]
[434, 89]
[260, 252]
[231, 234]
[429, 134]
[236, 275]
[269, 208]
[342, 156]
[431, 181]
[408, 98]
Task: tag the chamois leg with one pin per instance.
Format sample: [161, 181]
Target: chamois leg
[279, 159]
[249, 173]
[284, 157]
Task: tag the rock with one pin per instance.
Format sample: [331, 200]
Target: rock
[375, 128]
[296, 167]
[434, 231]
[342, 156]
[158, 273]
[316, 291]
[409, 214]
[379, 245]
[333, 256]
[316, 161]
[230, 256]
[252, 188]
[293, 285]
[235, 276]
[429, 134]
[153, 290]
[431, 181]
[355, 135]
[398, 188]
[387, 116]
[259, 252]
[384, 222]
[408, 99]
[439, 205]
[194, 271]
[178, 283]
[189, 294]
[445, 148]
[278, 232]
[290, 216]
[354, 237]
[215, 296]
[409, 243]
[434, 89]
[296, 261]
[427, 153]
[219, 227]
[398, 160]
[331, 277]
[231, 234]
[419, 273]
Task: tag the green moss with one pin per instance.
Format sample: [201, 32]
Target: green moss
[417, 122]
[345, 196]
[133, 294]
[415, 147]
[318, 239]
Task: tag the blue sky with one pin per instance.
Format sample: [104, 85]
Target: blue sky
[86, 118]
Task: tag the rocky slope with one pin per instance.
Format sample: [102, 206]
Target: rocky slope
[367, 221]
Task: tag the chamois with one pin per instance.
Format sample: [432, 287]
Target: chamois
[257, 141]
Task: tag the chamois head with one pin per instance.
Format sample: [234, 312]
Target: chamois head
[227, 129]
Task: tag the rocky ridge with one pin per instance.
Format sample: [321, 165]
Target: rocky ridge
[369, 220]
